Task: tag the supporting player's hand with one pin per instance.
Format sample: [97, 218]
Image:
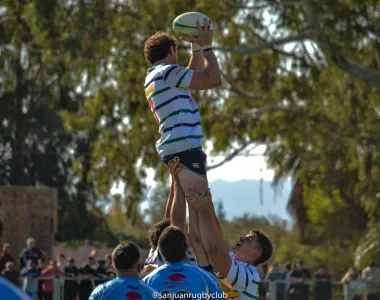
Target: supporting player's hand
[198, 202]
[174, 170]
[205, 35]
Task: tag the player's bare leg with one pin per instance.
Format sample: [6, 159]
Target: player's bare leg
[191, 180]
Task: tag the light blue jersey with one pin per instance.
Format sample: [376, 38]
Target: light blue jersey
[123, 288]
[184, 279]
[9, 291]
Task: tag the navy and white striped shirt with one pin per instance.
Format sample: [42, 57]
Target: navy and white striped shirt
[174, 108]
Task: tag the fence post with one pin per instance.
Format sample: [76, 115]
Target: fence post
[56, 288]
[346, 290]
[272, 290]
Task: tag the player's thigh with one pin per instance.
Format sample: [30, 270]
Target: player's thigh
[191, 180]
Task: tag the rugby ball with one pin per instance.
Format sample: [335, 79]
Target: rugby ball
[186, 24]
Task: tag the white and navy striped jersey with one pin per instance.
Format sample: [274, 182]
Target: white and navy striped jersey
[243, 278]
[156, 259]
[174, 108]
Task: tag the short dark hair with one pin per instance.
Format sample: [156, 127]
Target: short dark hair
[158, 46]
[173, 244]
[62, 255]
[156, 231]
[265, 245]
[125, 255]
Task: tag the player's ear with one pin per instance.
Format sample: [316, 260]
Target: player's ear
[172, 50]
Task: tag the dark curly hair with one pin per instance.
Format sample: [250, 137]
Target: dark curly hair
[157, 47]
[265, 245]
[125, 256]
[156, 231]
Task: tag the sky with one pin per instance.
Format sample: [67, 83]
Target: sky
[252, 167]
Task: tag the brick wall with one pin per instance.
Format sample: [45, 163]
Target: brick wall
[29, 212]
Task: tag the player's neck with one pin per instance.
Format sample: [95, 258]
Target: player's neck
[166, 60]
[131, 273]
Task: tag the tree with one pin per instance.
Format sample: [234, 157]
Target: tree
[74, 114]
[157, 204]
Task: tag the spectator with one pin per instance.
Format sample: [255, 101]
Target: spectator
[353, 285]
[30, 273]
[101, 272]
[48, 285]
[110, 270]
[323, 285]
[288, 271]
[5, 257]
[87, 273]
[299, 289]
[274, 274]
[94, 254]
[31, 252]
[11, 273]
[371, 275]
[71, 286]
[61, 265]
[61, 262]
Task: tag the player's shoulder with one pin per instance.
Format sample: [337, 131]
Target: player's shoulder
[155, 273]
[172, 70]
[250, 270]
[106, 288]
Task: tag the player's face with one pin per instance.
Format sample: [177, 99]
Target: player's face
[247, 248]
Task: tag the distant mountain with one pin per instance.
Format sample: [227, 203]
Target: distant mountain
[243, 196]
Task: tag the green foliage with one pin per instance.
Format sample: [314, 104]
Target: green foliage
[73, 113]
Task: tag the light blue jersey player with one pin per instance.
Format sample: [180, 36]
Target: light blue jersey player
[127, 285]
[9, 291]
[129, 288]
[178, 278]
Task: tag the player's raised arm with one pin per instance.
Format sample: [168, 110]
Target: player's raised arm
[210, 77]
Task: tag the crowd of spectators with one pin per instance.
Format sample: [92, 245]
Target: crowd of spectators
[295, 282]
[76, 281]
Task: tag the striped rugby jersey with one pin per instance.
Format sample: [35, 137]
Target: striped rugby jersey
[174, 108]
[156, 259]
[243, 278]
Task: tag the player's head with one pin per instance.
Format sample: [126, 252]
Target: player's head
[156, 231]
[126, 257]
[173, 244]
[254, 248]
[161, 46]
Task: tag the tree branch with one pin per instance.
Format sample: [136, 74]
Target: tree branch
[258, 112]
[267, 45]
[361, 72]
[231, 156]
[239, 92]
